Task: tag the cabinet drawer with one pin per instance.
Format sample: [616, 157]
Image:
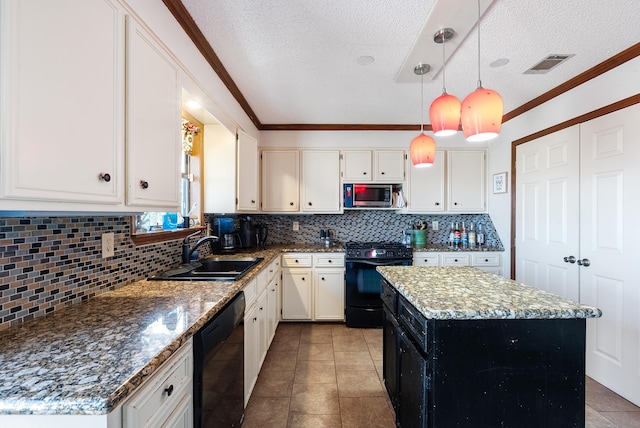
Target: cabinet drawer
[328, 260]
[486, 260]
[425, 259]
[296, 260]
[163, 392]
[456, 260]
[250, 292]
[273, 268]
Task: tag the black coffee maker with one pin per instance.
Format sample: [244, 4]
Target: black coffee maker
[247, 232]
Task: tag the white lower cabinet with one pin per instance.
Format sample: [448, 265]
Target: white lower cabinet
[313, 286]
[261, 318]
[487, 261]
[164, 400]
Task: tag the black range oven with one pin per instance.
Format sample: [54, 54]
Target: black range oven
[363, 283]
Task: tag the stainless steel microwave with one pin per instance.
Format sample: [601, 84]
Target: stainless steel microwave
[368, 195]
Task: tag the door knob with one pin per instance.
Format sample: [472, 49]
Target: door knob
[570, 259]
[584, 262]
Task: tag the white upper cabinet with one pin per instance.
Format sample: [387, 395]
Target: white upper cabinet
[358, 166]
[153, 122]
[389, 165]
[321, 181]
[361, 166]
[248, 167]
[280, 181]
[62, 120]
[426, 190]
[466, 181]
[86, 101]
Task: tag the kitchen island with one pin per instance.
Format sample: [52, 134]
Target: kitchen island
[465, 348]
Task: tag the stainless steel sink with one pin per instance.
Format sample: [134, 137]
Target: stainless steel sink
[211, 269]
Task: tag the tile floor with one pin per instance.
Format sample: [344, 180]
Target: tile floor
[328, 375]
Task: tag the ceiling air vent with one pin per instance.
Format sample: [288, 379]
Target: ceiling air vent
[548, 63]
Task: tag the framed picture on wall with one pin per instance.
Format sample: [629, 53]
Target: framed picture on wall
[500, 182]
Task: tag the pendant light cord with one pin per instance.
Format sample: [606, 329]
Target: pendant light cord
[422, 103]
[444, 86]
[479, 80]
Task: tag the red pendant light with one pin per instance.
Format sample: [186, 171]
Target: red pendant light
[423, 147]
[481, 113]
[444, 112]
[423, 150]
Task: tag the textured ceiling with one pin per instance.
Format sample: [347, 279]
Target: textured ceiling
[296, 61]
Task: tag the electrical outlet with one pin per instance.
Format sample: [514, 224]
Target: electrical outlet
[108, 245]
[296, 225]
[434, 225]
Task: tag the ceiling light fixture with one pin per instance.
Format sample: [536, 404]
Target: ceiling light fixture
[423, 147]
[444, 112]
[481, 113]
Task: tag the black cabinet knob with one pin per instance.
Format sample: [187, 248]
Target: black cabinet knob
[291, 203]
[253, 201]
[105, 177]
[310, 204]
[144, 184]
[169, 390]
[437, 204]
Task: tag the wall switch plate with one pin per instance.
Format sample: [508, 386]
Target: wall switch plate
[434, 225]
[296, 225]
[108, 245]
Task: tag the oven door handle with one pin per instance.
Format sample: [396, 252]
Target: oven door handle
[378, 263]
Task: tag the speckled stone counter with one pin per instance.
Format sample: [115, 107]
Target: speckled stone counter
[87, 358]
[439, 248]
[469, 293]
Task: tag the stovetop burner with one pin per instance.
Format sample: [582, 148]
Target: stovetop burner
[387, 250]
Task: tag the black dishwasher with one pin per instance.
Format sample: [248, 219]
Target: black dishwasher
[218, 374]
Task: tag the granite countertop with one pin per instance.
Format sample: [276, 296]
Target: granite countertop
[428, 248]
[470, 293]
[87, 358]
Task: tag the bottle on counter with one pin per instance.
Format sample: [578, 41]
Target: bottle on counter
[451, 236]
[464, 236]
[472, 236]
[480, 236]
[457, 236]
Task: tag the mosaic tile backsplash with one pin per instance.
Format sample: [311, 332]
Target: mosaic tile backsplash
[369, 225]
[51, 262]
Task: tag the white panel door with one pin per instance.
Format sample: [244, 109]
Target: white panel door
[610, 180]
[321, 181]
[547, 212]
[466, 181]
[280, 181]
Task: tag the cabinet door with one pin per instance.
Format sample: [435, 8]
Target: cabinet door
[247, 164]
[390, 165]
[296, 294]
[328, 294]
[357, 166]
[426, 187]
[273, 309]
[153, 122]
[466, 175]
[263, 340]
[412, 406]
[182, 416]
[280, 181]
[251, 335]
[61, 119]
[321, 181]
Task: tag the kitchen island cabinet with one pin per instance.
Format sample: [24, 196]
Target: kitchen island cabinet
[477, 350]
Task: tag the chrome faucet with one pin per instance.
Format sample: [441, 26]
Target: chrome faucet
[188, 252]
